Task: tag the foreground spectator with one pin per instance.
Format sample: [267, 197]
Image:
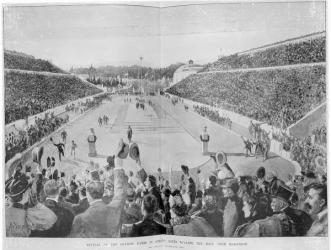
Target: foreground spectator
[317, 208]
[102, 220]
[148, 226]
[63, 224]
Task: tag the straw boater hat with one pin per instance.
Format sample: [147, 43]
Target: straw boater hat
[134, 151]
[220, 158]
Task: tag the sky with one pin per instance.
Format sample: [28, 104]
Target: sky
[113, 34]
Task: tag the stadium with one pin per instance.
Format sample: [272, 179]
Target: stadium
[242, 138]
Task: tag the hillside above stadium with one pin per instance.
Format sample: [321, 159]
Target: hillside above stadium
[28, 93]
[22, 61]
[304, 49]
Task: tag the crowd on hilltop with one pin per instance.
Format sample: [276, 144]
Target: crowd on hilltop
[42, 127]
[25, 62]
[280, 97]
[28, 94]
[111, 201]
[308, 51]
[213, 115]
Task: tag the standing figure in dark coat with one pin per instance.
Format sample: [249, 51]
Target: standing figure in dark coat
[102, 220]
[148, 226]
[151, 187]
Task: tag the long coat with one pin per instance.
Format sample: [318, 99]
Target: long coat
[103, 220]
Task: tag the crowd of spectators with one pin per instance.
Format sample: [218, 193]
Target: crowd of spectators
[27, 94]
[15, 60]
[308, 51]
[43, 127]
[303, 151]
[280, 97]
[320, 136]
[34, 133]
[213, 115]
[111, 201]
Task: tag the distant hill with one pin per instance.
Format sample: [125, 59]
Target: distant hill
[133, 71]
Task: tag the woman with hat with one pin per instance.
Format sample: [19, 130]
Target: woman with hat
[22, 217]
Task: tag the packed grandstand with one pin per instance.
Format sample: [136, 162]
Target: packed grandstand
[278, 84]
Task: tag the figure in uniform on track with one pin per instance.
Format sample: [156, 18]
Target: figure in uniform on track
[204, 137]
[100, 121]
[60, 148]
[129, 133]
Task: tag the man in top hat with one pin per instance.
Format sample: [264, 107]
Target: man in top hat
[204, 137]
[285, 221]
[102, 220]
